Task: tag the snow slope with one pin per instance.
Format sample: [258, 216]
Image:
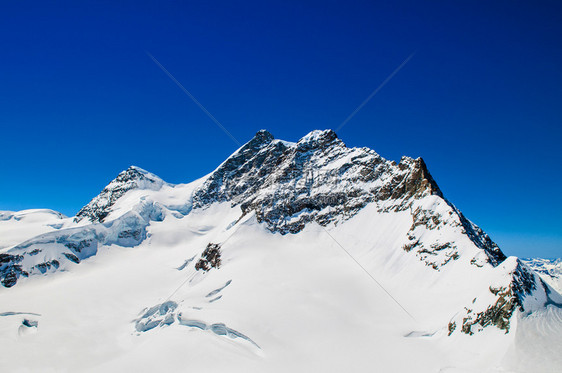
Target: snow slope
[288, 257]
[16, 227]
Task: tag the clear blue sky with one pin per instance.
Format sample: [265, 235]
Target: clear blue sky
[481, 100]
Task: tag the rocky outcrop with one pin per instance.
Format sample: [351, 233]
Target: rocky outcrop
[210, 258]
[11, 269]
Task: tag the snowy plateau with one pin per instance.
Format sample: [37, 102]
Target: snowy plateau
[289, 257]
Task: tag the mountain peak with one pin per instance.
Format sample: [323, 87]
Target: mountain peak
[132, 178]
[316, 179]
[133, 168]
[264, 135]
[137, 173]
[317, 139]
[420, 178]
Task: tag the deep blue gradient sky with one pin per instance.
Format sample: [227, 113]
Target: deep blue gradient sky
[480, 101]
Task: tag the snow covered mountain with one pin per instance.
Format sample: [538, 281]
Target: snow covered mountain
[287, 257]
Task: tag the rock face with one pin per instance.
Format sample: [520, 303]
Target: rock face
[317, 179]
[11, 269]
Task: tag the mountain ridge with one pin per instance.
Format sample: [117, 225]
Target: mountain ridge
[391, 216]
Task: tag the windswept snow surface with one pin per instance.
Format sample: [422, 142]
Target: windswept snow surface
[537, 343]
[214, 289]
[16, 227]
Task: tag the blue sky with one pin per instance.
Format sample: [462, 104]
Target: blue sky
[480, 101]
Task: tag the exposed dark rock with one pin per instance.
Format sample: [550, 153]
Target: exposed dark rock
[474, 262]
[44, 267]
[409, 246]
[210, 258]
[8, 258]
[523, 282]
[452, 326]
[30, 323]
[72, 257]
[10, 270]
[131, 233]
[34, 252]
[79, 246]
[498, 314]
